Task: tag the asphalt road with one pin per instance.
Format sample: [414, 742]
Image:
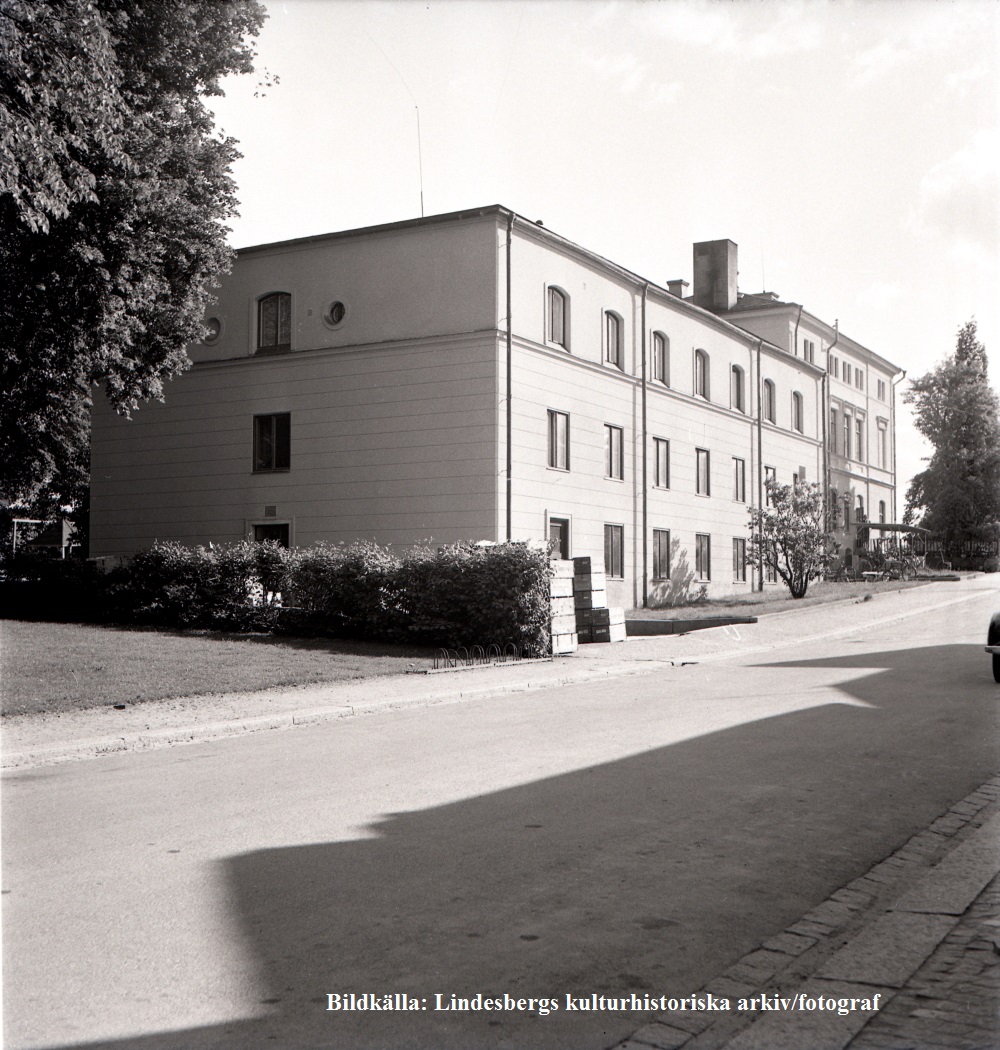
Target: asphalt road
[636, 835]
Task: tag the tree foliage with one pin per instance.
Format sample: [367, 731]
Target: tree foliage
[957, 496]
[114, 192]
[791, 534]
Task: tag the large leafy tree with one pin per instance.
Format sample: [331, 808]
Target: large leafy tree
[791, 534]
[114, 193]
[957, 496]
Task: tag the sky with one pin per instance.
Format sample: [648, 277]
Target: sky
[849, 148]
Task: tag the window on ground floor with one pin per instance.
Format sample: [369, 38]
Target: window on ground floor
[661, 554]
[614, 550]
[739, 560]
[703, 557]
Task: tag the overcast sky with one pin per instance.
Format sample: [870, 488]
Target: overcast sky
[849, 148]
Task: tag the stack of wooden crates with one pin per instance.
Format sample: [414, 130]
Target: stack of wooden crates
[563, 608]
[595, 622]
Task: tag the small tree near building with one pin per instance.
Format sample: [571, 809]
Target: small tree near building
[790, 534]
[957, 495]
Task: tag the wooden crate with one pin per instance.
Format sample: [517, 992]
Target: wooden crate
[563, 644]
[590, 600]
[562, 568]
[561, 586]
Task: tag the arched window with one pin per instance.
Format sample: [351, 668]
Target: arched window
[613, 339]
[702, 375]
[797, 411]
[274, 322]
[737, 395]
[767, 401]
[881, 511]
[558, 317]
[661, 358]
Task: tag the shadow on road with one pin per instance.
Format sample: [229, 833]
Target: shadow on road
[648, 874]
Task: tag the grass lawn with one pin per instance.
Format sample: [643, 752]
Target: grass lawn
[761, 603]
[65, 667]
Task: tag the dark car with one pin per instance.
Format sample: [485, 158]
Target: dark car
[993, 644]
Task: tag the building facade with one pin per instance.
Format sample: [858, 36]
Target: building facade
[474, 376]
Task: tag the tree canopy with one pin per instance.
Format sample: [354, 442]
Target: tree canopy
[114, 193]
[957, 496]
[791, 534]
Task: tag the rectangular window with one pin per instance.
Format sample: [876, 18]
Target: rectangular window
[770, 572]
[739, 480]
[661, 463]
[770, 474]
[559, 440]
[883, 443]
[272, 442]
[809, 350]
[614, 556]
[274, 322]
[833, 430]
[661, 359]
[881, 389]
[614, 452]
[847, 436]
[613, 339]
[739, 560]
[702, 557]
[661, 554]
[859, 433]
[557, 317]
[859, 378]
[273, 532]
[704, 480]
[835, 366]
[559, 538]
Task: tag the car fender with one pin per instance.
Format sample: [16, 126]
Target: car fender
[993, 637]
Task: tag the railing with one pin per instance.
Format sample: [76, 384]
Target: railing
[477, 656]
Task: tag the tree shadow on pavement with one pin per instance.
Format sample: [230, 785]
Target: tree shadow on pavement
[647, 874]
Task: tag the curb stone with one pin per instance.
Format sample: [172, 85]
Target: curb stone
[823, 953]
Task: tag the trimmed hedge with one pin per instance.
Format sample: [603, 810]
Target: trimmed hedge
[461, 595]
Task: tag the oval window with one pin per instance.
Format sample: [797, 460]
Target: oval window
[213, 329]
[335, 313]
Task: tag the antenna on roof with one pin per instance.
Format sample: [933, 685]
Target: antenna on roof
[420, 155]
[420, 159]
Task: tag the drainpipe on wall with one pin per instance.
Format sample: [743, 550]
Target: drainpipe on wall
[826, 421]
[898, 378]
[645, 530]
[795, 337]
[760, 460]
[510, 359]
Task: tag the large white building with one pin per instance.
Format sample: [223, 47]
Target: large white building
[474, 376]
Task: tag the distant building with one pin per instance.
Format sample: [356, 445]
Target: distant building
[474, 376]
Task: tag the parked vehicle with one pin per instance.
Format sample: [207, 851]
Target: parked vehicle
[993, 644]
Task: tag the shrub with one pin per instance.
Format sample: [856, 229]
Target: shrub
[231, 587]
[466, 594]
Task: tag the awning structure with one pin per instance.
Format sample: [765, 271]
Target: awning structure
[884, 526]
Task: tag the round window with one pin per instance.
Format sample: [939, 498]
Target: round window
[213, 329]
[335, 313]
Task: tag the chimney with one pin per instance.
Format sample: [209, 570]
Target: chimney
[715, 275]
[676, 287]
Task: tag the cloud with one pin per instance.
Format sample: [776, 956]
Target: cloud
[753, 31]
[960, 196]
[928, 29]
[631, 76]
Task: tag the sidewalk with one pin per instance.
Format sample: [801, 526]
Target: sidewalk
[921, 931]
[41, 739]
